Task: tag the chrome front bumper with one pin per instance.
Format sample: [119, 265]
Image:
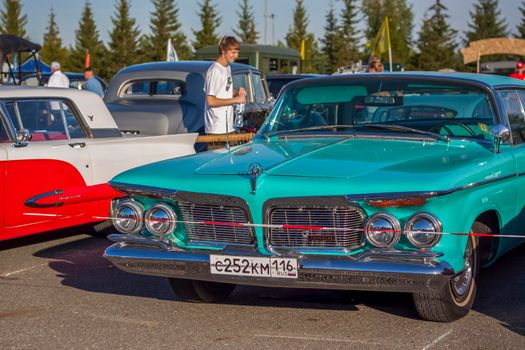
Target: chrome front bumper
[378, 270]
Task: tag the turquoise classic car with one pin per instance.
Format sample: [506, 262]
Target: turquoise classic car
[404, 182]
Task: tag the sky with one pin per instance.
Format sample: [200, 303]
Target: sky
[68, 13]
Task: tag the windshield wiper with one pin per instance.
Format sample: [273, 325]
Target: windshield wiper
[311, 128]
[406, 129]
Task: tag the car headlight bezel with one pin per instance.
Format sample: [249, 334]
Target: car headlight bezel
[413, 232]
[163, 225]
[134, 215]
[371, 232]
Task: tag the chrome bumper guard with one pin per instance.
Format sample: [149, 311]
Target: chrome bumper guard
[379, 270]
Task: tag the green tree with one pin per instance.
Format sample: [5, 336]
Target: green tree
[330, 42]
[246, 28]
[299, 32]
[87, 40]
[485, 22]
[123, 45]
[52, 49]
[373, 12]
[11, 19]
[436, 44]
[521, 26]
[400, 23]
[210, 21]
[348, 52]
[165, 25]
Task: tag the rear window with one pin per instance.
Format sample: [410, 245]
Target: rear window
[153, 87]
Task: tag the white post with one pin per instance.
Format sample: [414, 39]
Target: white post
[390, 57]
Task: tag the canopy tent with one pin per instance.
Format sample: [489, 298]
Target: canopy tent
[492, 46]
[29, 66]
[10, 47]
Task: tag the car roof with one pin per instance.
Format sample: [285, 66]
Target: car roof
[181, 66]
[489, 80]
[40, 91]
[88, 103]
[292, 76]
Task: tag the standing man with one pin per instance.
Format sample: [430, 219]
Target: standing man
[57, 78]
[519, 74]
[92, 83]
[220, 96]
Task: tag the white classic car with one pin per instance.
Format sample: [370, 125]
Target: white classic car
[58, 149]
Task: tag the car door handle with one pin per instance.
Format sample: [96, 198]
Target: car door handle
[77, 145]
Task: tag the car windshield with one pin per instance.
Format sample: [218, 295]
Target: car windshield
[367, 106]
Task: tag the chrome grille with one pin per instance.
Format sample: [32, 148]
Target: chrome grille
[348, 218]
[193, 212]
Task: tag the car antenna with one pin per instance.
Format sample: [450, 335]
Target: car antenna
[227, 145]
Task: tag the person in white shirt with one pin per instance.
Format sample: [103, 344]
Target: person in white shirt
[57, 78]
[220, 96]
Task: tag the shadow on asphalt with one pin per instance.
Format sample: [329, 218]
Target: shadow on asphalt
[34, 239]
[80, 264]
[500, 291]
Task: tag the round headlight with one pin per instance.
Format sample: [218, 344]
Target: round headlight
[160, 220]
[423, 230]
[127, 217]
[382, 230]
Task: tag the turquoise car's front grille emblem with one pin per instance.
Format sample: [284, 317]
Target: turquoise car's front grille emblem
[255, 170]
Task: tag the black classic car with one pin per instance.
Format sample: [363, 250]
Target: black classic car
[162, 98]
[276, 82]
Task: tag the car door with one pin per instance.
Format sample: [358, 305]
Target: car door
[513, 104]
[41, 171]
[5, 143]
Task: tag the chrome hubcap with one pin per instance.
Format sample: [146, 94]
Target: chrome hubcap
[461, 283]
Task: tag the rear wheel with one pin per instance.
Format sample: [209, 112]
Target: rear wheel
[455, 299]
[201, 291]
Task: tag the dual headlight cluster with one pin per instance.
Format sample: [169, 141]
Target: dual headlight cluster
[129, 218]
[383, 230]
[423, 230]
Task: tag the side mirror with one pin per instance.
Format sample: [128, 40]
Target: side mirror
[501, 134]
[22, 136]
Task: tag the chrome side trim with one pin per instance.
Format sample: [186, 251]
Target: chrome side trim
[380, 271]
[32, 202]
[422, 194]
[143, 191]
[157, 192]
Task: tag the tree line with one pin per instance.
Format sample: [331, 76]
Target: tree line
[436, 45]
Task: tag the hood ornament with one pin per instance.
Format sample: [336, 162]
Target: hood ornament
[255, 170]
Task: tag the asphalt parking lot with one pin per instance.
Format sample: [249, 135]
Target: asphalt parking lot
[57, 292]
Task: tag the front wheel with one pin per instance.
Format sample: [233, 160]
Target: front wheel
[455, 299]
[201, 291]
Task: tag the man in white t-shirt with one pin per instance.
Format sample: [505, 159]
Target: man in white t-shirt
[220, 96]
[57, 78]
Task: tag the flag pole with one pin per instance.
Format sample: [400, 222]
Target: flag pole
[389, 46]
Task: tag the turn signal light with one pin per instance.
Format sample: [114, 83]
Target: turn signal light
[390, 203]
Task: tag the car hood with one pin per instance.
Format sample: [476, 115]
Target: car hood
[329, 166]
[343, 158]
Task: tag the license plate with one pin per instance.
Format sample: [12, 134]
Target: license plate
[255, 267]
